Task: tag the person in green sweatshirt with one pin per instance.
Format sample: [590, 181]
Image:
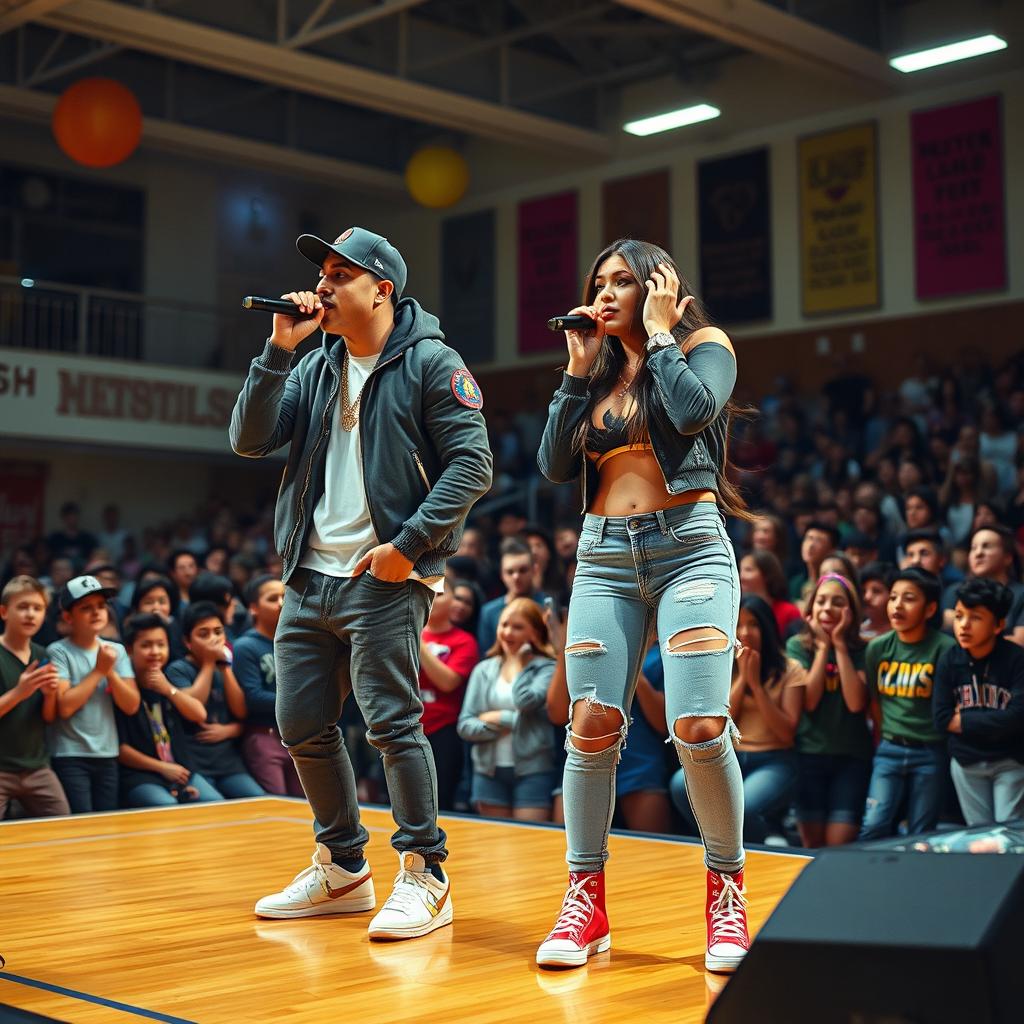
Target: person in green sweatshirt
[910, 762]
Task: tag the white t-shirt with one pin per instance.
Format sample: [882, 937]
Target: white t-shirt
[501, 698]
[342, 531]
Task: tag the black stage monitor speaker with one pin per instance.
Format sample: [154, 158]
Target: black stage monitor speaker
[866, 937]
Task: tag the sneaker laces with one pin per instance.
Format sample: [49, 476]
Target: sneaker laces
[408, 891]
[297, 886]
[729, 914]
[577, 909]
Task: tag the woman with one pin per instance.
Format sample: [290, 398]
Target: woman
[833, 743]
[548, 571]
[467, 600]
[761, 574]
[766, 701]
[960, 494]
[503, 715]
[644, 402]
[768, 533]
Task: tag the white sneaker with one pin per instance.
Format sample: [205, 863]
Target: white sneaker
[418, 904]
[323, 888]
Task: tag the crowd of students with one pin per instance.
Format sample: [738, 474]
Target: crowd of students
[880, 684]
[855, 725]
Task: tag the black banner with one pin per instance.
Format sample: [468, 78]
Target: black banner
[467, 286]
[734, 206]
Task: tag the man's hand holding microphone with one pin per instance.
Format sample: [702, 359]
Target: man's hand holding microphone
[289, 332]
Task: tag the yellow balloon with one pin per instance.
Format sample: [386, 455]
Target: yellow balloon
[436, 176]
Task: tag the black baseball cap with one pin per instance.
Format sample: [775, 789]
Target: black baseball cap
[82, 586]
[370, 251]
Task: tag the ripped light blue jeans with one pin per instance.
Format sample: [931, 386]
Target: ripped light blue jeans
[674, 570]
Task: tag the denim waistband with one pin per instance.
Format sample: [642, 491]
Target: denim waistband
[691, 515]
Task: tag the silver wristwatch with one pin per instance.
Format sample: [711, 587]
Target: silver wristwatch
[660, 340]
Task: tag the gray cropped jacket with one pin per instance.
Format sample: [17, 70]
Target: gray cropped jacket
[687, 431]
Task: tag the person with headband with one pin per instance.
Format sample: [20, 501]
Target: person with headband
[833, 743]
[641, 418]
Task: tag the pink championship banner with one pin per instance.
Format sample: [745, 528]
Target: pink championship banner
[549, 282]
[959, 203]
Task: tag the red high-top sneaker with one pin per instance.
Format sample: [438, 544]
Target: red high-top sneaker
[726, 912]
[582, 925]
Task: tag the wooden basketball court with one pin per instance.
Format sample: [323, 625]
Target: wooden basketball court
[148, 915]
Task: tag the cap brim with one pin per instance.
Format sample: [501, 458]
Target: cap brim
[107, 592]
[314, 249]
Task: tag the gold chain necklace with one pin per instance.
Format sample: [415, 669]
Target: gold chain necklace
[627, 385]
[349, 412]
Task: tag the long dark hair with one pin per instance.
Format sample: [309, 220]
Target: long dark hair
[771, 569]
[643, 258]
[773, 658]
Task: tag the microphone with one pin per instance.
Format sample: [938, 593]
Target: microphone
[571, 322]
[282, 306]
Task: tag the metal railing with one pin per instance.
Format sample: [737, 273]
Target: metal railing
[50, 317]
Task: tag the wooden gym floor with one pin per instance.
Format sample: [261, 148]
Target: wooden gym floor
[148, 915]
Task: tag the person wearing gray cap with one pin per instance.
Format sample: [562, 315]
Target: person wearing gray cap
[388, 454]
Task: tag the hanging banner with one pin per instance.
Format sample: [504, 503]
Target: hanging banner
[637, 208]
[959, 203]
[839, 220]
[467, 290]
[22, 500]
[548, 274]
[734, 211]
[81, 399]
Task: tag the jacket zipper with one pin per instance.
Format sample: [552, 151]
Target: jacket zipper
[419, 466]
[325, 427]
[362, 447]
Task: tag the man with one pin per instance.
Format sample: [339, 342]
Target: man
[517, 575]
[388, 454]
[924, 548]
[817, 542]
[992, 555]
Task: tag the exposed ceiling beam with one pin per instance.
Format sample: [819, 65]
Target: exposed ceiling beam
[98, 53]
[515, 35]
[231, 53]
[17, 12]
[305, 35]
[316, 16]
[764, 29]
[185, 140]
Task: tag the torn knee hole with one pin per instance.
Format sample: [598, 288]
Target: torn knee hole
[581, 648]
[594, 744]
[593, 721]
[704, 638]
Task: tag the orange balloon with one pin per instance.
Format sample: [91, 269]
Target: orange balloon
[97, 122]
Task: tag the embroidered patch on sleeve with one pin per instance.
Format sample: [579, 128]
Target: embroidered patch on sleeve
[466, 389]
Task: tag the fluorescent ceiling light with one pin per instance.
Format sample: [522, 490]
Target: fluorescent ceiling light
[673, 119]
[948, 53]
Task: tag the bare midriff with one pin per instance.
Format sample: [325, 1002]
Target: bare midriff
[631, 482]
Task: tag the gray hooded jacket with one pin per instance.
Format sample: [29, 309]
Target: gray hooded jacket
[426, 459]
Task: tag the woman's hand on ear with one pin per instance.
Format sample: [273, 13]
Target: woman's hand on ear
[663, 308]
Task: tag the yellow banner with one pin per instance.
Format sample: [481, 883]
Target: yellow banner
[839, 220]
